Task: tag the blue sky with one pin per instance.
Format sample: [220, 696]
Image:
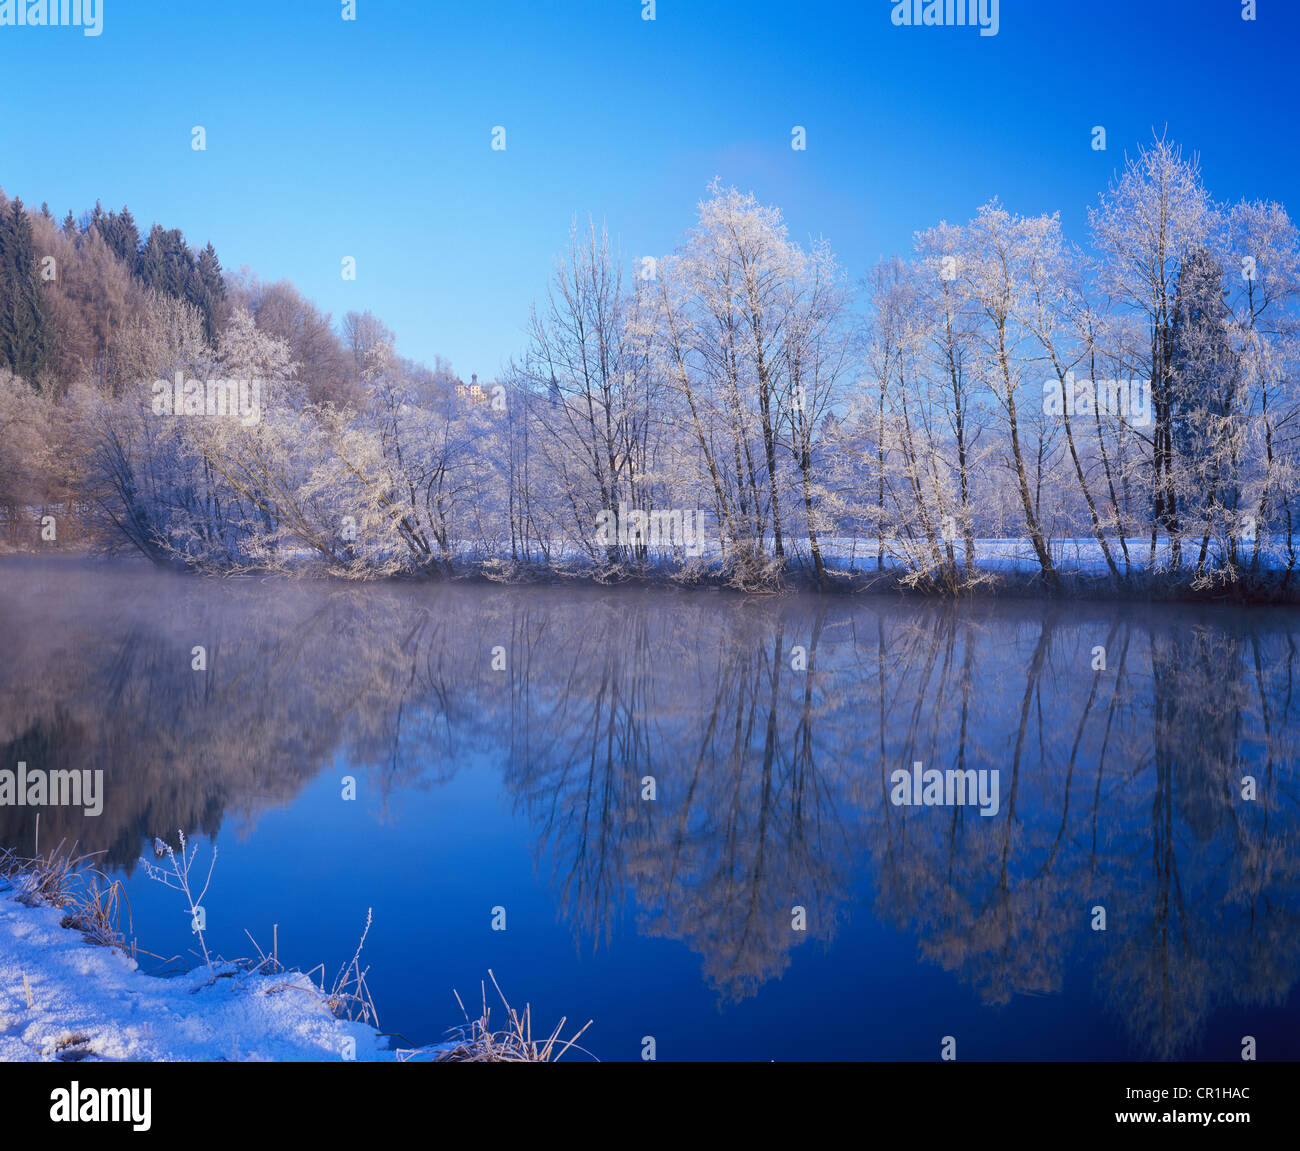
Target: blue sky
[372, 138]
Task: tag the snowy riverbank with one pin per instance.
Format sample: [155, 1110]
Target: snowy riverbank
[1125, 569]
[62, 998]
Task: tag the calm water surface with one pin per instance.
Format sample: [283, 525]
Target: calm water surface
[522, 789]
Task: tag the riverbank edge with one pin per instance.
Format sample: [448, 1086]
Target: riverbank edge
[1267, 586]
[51, 918]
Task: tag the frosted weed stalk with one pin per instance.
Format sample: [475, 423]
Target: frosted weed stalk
[349, 998]
[93, 902]
[476, 1042]
[41, 879]
[178, 879]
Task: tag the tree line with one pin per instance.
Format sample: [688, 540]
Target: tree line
[999, 399]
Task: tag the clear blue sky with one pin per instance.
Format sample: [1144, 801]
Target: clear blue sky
[371, 139]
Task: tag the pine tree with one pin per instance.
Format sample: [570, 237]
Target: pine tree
[1205, 378]
[209, 291]
[166, 264]
[26, 336]
[121, 235]
[1202, 357]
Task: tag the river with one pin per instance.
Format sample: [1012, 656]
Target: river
[674, 812]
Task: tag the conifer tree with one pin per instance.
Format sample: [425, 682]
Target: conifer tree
[209, 291]
[166, 264]
[26, 338]
[121, 235]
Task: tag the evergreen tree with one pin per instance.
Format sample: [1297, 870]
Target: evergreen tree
[26, 336]
[1204, 379]
[166, 264]
[121, 235]
[209, 291]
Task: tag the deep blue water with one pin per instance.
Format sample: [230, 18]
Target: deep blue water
[522, 789]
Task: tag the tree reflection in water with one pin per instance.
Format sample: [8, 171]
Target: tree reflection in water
[1121, 788]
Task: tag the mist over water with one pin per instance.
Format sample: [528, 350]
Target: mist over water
[770, 728]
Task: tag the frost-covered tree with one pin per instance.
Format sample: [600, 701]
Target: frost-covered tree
[1153, 215]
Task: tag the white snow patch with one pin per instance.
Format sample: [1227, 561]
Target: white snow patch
[95, 1003]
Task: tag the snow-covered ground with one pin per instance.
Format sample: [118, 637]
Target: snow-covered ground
[1078, 555]
[89, 1002]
